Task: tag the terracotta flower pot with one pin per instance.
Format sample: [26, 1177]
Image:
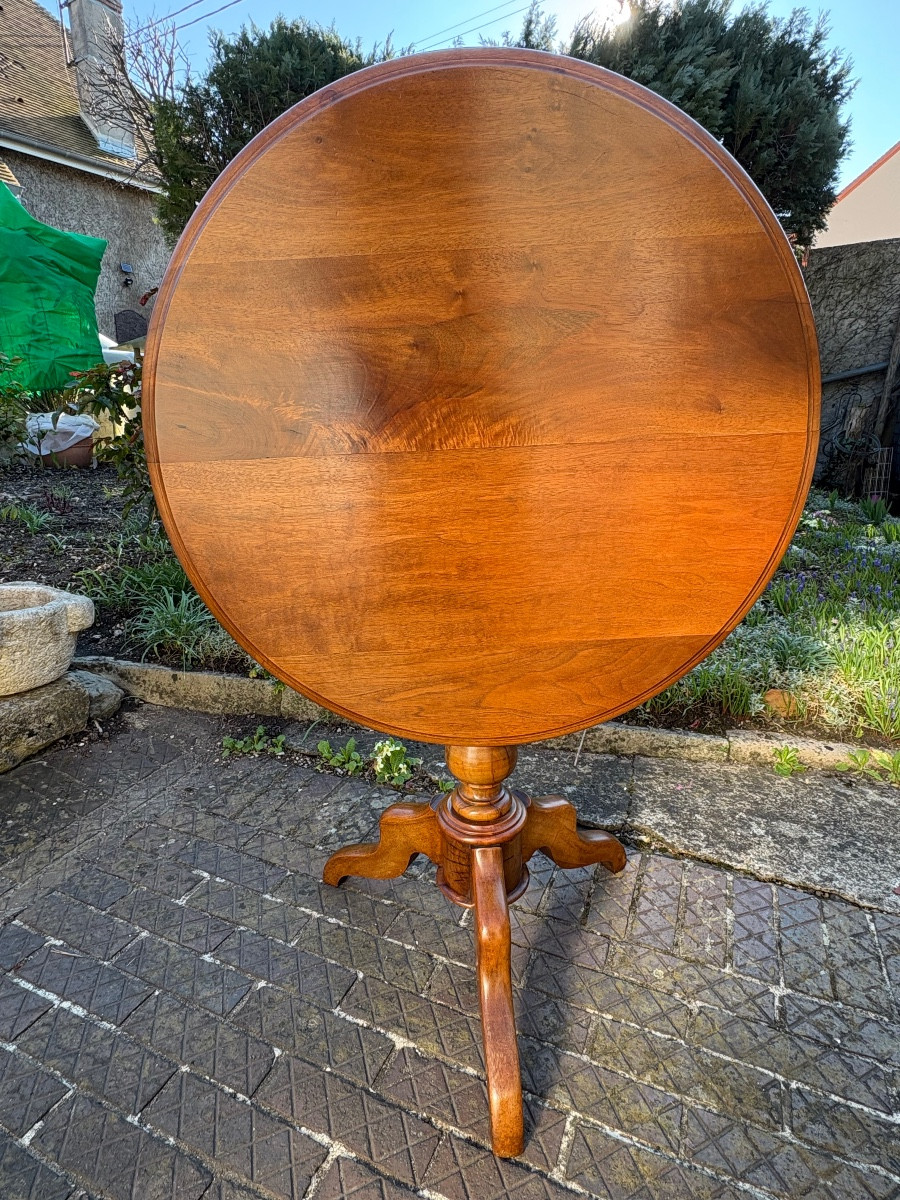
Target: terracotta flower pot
[78, 455]
[64, 439]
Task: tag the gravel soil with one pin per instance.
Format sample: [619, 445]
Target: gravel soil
[85, 510]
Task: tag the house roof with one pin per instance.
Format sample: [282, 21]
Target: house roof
[879, 162]
[39, 109]
[868, 208]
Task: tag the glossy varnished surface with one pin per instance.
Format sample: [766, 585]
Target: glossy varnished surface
[481, 396]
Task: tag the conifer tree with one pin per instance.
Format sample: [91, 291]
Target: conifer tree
[769, 90]
[252, 79]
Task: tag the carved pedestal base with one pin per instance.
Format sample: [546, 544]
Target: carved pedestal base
[481, 836]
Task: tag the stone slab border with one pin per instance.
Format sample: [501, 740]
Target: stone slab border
[31, 720]
[212, 692]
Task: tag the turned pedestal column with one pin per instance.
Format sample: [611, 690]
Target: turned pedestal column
[481, 835]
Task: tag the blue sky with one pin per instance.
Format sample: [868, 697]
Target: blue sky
[869, 30]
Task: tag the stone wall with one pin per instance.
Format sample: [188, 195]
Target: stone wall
[855, 295]
[83, 203]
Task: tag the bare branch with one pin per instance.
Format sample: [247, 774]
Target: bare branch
[128, 77]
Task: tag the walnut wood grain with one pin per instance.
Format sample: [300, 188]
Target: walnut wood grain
[501, 1050]
[481, 396]
[480, 795]
[480, 812]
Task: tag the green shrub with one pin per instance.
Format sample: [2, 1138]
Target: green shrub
[114, 392]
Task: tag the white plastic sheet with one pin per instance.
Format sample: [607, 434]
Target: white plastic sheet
[49, 436]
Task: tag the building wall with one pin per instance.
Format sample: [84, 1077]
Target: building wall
[82, 203]
[855, 294]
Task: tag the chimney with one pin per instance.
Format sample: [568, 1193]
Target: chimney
[97, 32]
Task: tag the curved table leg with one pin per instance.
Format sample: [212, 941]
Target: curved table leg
[501, 1051]
[405, 831]
[551, 826]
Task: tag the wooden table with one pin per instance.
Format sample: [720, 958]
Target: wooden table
[481, 403]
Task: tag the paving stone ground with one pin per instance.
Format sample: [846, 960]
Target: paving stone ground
[186, 1011]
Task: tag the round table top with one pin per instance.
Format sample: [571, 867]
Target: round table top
[481, 396]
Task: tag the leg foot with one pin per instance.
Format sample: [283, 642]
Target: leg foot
[551, 826]
[501, 1051]
[405, 831]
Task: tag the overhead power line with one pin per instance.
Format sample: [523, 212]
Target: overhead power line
[477, 28]
[193, 4]
[161, 20]
[477, 17]
[230, 4]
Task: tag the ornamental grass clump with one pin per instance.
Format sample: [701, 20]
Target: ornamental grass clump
[182, 625]
[128, 587]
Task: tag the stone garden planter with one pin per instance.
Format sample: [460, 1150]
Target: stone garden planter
[38, 626]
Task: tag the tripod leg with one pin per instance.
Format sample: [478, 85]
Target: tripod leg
[551, 826]
[405, 831]
[501, 1051]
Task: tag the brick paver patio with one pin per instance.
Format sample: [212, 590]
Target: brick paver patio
[186, 1011]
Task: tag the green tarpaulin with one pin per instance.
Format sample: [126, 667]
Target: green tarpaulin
[47, 284]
